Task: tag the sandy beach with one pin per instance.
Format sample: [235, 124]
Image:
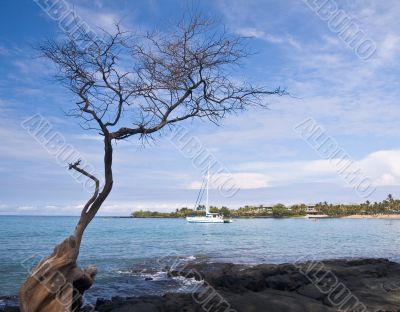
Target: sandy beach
[377, 216]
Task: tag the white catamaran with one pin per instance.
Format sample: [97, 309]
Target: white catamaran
[209, 217]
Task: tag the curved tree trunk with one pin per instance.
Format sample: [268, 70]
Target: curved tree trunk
[57, 284]
[173, 78]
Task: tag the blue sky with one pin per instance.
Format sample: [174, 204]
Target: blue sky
[354, 100]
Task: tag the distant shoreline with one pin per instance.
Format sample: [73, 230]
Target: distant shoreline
[383, 216]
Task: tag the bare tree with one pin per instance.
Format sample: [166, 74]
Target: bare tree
[128, 85]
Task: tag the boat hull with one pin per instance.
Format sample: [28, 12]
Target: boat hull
[207, 220]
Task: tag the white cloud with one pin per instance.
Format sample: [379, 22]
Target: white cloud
[125, 208]
[386, 179]
[100, 16]
[249, 180]
[383, 167]
[4, 51]
[111, 208]
[103, 20]
[89, 137]
[26, 209]
[389, 47]
[274, 39]
[241, 180]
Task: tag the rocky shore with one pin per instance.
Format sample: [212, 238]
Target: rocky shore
[345, 285]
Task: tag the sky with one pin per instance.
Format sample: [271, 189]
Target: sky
[354, 99]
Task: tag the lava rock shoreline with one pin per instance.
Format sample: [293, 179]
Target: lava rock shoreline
[357, 285]
[333, 285]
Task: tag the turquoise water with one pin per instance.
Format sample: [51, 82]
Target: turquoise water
[126, 250]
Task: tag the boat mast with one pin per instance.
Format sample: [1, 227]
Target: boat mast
[208, 181]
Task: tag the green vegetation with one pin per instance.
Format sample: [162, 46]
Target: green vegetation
[180, 213]
[387, 206]
[278, 210]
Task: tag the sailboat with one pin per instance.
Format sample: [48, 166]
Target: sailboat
[209, 217]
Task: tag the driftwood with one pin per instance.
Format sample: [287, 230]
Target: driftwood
[57, 283]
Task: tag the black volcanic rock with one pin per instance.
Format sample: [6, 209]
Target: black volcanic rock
[350, 285]
[368, 285]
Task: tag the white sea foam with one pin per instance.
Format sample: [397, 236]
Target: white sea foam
[128, 272]
[154, 276]
[187, 284]
[158, 276]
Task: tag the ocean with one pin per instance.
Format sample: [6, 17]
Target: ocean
[126, 251]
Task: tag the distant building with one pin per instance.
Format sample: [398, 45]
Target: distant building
[311, 209]
[258, 209]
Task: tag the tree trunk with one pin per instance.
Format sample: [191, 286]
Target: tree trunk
[57, 284]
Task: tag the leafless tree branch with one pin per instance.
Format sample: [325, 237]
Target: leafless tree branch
[128, 85]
